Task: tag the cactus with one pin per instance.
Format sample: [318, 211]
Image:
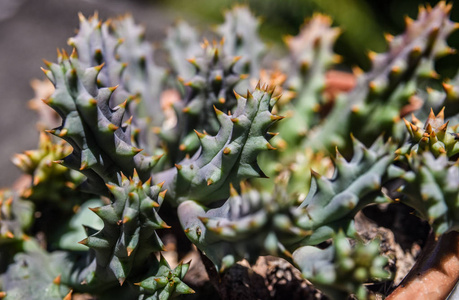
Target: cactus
[211, 86]
[246, 226]
[227, 157]
[311, 56]
[433, 136]
[87, 117]
[165, 283]
[240, 31]
[390, 84]
[16, 217]
[341, 269]
[139, 144]
[430, 171]
[129, 227]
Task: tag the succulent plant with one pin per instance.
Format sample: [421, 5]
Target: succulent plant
[433, 136]
[145, 143]
[240, 31]
[227, 157]
[246, 226]
[16, 217]
[87, 117]
[389, 85]
[210, 87]
[341, 268]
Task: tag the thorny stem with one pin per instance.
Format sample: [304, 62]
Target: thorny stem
[435, 273]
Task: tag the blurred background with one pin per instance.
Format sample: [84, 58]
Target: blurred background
[31, 30]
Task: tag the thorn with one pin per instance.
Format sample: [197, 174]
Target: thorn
[288, 254]
[428, 129]
[441, 114]
[112, 127]
[389, 37]
[182, 147]
[275, 118]
[408, 21]
[99, 67]
[237, 95]
[217, 111]
[121, 280]
[63, 132]
[192, 61]
[434, 75]
[110, 186]
[448, 88]
[209, 182]
[431, 114]
[160, 184]
[443, 127]
[135, 174]
[84, 242]
[162, 194]
[68, 296]
[272, 134]
[57, 280]
[270, 147]
[122, 105]
[165, 226]
[372, 55]
[148, 182]
[94, 209]
[93, 102]
[395, 70]
[417, 51]
[126, 219]
[84, 165]
[357, 71]
[81, 17]
[204, 220]
[315, 174]
[46, 101]
[48, 64]
[227, 150]
[129, 121]
[136, 150]
[233, 192]
[158, 157]
[9, 234]
[407, 124]
[200, 135]
[234, 120]
[179, 167]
